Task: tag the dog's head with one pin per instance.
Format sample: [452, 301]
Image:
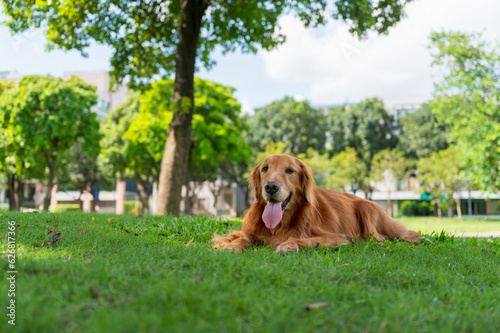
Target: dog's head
[281, 181]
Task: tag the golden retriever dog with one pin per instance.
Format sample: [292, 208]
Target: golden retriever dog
[290, 212]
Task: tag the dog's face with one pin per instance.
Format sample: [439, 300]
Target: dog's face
[281, 181]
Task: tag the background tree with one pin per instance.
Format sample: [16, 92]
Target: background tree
[297, 123]
[272, 148]
[366, 127]
[217, 135]
[113, 159]
[159, 38]
[347, 170]
[320, 165]
[388, 166]
[78, 168]
[49, 115]
[13, 151]
[5, 84]
[466, 101]
[439, 175]
[421, 134]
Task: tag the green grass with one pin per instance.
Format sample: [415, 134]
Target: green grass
[100, 278]
[449, 225]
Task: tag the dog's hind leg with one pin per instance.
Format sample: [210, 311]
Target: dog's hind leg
[376, 223]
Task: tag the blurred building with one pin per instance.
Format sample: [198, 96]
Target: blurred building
[10, 76]
[108, 99]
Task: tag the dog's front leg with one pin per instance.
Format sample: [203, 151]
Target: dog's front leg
[293, 244]
[237, 241]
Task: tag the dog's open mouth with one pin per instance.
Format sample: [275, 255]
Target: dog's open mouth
[274, 212]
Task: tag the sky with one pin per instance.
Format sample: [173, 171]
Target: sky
[324, 65]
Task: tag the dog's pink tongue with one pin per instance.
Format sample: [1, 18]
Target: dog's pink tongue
[272, 214]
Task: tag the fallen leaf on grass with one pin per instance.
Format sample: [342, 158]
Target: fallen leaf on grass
[312, 306]
[306, 260]
[489, 251]
[199, 279]
[111, 219]
[94, 293]
[178, 233]
[129, 232]
[90, 261]
[52, 231]
[189, 243]
[55, 237]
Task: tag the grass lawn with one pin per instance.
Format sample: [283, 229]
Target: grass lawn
[450, 225]
[101, 277]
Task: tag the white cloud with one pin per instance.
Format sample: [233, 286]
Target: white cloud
[246, 108]
[336, 66]
[298, 98]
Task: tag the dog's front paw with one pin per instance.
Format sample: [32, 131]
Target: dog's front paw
[233, 247]
[286, 247]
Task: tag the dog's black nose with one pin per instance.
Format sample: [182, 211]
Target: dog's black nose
[272, 187]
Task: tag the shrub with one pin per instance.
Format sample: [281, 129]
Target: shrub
[60, 208]
[407, 208]
[416, 208]
[424, 208]
[129, 206]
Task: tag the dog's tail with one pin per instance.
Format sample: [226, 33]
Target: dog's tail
[375, 222]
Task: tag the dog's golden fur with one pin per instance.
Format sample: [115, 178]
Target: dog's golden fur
[313, 216]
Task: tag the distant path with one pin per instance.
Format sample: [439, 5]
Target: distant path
[479, 234]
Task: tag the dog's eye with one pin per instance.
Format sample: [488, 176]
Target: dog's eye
[264, 169]
[289, 171]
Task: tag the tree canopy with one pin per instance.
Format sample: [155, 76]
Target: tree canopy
[144, 36]
[466, 101]
[366, 127]
[288, 120]
[421, 134]
[347, 171]
[439, 175]
[47, 116]
[388, 167]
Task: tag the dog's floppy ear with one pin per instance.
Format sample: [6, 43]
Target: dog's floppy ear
[255, 184]
[308, 184]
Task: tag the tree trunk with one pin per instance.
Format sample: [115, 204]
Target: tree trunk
[188, 208]
[438, 206]
[175, 162]
[451, 211]
[14, 186]
[459, 208]
[216, 190]
[368, 192]
[46, 200]
[143, 197]
[247, 197]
